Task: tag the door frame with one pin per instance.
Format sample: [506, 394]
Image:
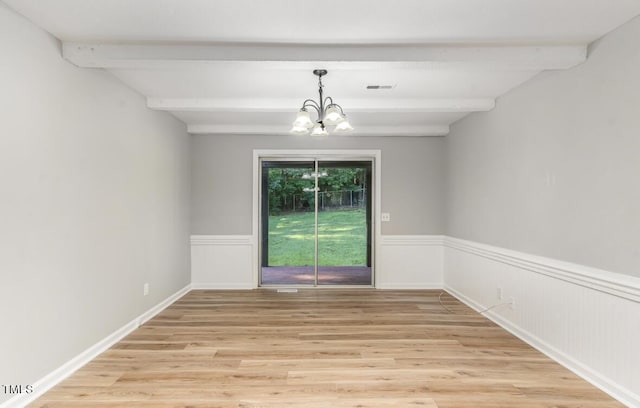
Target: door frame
[374, 156]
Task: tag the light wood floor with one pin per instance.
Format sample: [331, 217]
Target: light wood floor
[322, 348]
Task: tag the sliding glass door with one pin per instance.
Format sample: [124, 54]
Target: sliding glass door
[288, 249]
[344, 223]
[316, 223]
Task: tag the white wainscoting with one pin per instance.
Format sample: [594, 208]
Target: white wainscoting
[231, 262]
[222, 262]
[410, 262]
[586, 319]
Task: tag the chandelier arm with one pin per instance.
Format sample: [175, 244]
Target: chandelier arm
[339, 107]
[313, 104]
[332, 104]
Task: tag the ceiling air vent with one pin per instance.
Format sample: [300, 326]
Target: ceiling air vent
[380, 86]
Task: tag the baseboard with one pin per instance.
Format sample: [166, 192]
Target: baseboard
[622, 394]
[44, 384]
[410, 286]
[225, 286]
[149, 314]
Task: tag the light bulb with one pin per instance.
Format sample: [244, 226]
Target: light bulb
[319, 130]
[332, 116]
[343, 126]
[299, 130]
[303, 119]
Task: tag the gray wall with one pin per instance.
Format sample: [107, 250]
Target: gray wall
[554, 169]
[412, 175]
[94, 192]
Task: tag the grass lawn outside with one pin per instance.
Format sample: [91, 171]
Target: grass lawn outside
[342, 238]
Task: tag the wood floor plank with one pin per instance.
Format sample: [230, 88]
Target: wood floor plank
[342, 403]
[322, 348]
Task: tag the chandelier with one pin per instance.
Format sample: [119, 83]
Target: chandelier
[329, 114]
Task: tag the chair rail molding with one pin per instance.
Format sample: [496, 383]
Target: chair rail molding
[616, 284]
[584, 318]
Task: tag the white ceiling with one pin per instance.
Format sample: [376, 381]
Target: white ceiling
[245, 66]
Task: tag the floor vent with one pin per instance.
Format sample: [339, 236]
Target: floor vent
[287, 290]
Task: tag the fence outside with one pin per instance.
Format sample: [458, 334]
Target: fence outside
[327, 200]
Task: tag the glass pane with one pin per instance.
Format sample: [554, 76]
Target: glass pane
[288, 247]
[344, 255]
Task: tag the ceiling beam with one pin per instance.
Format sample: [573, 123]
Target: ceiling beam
[417, 131]
[285, 105]
[530, 57]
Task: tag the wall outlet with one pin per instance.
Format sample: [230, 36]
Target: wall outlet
[145, 289]
[499, 293]
[385, 217]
